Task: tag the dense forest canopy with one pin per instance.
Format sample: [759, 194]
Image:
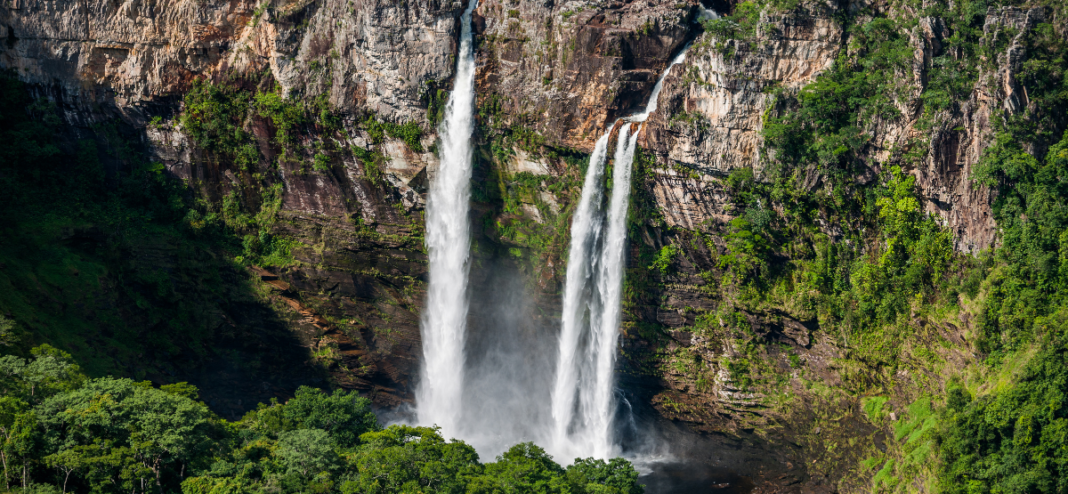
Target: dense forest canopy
[64, 432]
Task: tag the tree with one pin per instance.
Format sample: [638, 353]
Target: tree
[307, 451]
[10, 409]
[411, 459]
[525, 468]
[137, 433]
[19, 443]
[8, 336]
[343, 414]
[616, 476]
[49, 372]
[70, 460]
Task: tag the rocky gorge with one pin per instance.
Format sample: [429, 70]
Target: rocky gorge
[806, 285]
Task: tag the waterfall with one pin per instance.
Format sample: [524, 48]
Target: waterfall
[448, 243]
[571, 370]
[613, 260]
[583, 397]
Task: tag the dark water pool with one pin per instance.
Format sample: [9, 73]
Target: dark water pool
[681, 477]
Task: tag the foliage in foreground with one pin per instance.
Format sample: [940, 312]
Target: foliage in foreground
[63, 432]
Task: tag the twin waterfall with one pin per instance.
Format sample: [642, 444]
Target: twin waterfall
[582, 404]
[581, 399]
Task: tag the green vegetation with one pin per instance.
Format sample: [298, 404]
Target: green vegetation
[212, 116]
[825, 126]
[514, 195]
[665, 258]
[107, 257]
[409, 132]
[863, 260]
[372, 163]
[742, 24]
[1014, 440]
[63, 432]
[523, 213]
[104, 256]
[435, 99]
[284, 113]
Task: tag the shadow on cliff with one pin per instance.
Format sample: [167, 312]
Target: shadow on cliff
[101, 256]
[675, 458]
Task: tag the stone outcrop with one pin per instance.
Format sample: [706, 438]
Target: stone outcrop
[710, 116]
[958, 141]
[567, 70]
[368, 55]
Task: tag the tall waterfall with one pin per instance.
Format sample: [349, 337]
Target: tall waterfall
[583, 403]
[448, 242]
[573, 368]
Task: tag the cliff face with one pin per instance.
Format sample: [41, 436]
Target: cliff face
[710, 123]
[712, 110]
[375, 56]
[355, 287]
[568, 70]
[135, 60]
[552, 76]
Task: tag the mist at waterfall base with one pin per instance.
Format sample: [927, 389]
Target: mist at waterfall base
[507, 395]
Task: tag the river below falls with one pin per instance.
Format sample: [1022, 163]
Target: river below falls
[691, 477]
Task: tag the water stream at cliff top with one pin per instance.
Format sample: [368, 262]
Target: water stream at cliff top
[584, 396]
[438, 397]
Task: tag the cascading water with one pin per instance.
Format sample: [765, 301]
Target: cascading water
[583, 401]
[573, 369]
[610, 279]
[438, 397]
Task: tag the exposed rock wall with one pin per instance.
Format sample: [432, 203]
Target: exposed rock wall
[957, 144]
[568, 70]
[711, 111]
[358, 264]
[368, 55]
[561, 70]
[708, 124]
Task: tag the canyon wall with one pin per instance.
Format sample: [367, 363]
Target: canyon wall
[552, 76]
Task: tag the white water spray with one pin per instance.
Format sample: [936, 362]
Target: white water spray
[438, 398]
[583, 398]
